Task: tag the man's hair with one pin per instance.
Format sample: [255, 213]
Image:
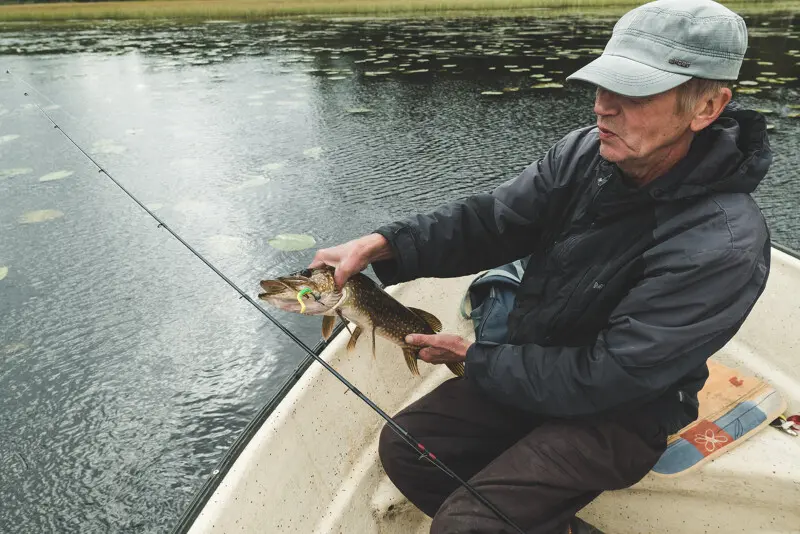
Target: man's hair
[691, 92]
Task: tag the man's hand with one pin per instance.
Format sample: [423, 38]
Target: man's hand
[352, 257]
[440, 348]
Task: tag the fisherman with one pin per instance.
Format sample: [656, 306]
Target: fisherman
[647, 252]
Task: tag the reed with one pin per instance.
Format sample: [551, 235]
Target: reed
[266, 9]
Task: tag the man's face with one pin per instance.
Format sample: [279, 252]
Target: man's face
[636, 132]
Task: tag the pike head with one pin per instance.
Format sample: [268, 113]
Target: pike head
[310, 291]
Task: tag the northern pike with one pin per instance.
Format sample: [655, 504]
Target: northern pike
[360, 301]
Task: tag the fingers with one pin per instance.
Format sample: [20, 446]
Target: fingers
[349, 266]
[442, 341]
[434, 355]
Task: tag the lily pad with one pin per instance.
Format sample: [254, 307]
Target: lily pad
[58, 175]
[255, 181]
[11, 173]
[11, 348]
[748, 82]
[492, 93]
[273, 166]
[359, 110]
[313, 153]
[40, 216]
[3, 271]
[107, 146]
[748, 90]
[377, 73]
[7, 138]
[292, 242]
[548, 85]
[337, 77]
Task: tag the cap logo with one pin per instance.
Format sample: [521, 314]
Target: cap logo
[680, 63]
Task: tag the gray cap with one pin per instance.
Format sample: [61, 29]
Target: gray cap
[660, 45]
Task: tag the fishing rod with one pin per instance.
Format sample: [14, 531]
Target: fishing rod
[399, 430]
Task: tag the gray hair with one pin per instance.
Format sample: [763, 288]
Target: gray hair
[691, 92]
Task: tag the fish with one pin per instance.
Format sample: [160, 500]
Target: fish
[361, 302]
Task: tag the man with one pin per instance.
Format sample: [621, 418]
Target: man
[646, 255]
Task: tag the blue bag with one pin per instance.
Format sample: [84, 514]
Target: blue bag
[492, 295]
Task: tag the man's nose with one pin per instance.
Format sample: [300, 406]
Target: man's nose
[605, 102]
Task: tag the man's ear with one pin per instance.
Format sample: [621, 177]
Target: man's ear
[709, 108]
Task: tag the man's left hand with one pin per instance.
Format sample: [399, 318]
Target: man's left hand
[440, 348]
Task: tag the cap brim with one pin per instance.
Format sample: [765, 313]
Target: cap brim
[628, 77]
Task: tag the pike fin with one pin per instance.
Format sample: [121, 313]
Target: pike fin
[411, 360]
[328, 322]
[429, 318]
[354, 337]
[457, 368]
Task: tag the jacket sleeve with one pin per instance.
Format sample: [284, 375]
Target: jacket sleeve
[480, 232]
[677, 316]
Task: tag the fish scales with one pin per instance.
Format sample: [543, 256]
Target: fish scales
[361, 301]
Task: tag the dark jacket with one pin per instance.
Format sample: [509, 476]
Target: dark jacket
[628, 290]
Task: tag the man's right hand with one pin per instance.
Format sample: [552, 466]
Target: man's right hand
[352, 257]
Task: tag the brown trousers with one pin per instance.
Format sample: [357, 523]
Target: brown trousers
[538, 471]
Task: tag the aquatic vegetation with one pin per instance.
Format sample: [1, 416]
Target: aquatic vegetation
[313, 153]
[57, 175]
[6, 138]
[292, 242]
[547, 85]
[11, 173]
[107, 146]
[3, 271]
[357, 111]
[491, 93]
[40, 216]
[226, 10]
[273, 166]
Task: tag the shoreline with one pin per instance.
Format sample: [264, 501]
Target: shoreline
[256, 10]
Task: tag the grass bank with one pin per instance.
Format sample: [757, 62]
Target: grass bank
[265, 9]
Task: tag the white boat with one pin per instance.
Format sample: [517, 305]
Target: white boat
[312, 465]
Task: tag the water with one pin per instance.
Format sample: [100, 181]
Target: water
[126, 367]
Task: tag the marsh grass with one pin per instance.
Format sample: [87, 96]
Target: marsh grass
[265, 9]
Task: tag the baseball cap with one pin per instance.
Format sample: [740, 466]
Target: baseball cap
[662, 44]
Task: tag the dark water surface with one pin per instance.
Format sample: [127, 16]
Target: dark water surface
[126, 367]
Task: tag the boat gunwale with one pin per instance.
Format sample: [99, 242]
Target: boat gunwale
[206, 491]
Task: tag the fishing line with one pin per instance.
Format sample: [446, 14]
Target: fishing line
[399, 430]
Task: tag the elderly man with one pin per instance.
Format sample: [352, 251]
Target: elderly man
[647, 252]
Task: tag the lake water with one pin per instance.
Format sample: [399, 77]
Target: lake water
[127, 368]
